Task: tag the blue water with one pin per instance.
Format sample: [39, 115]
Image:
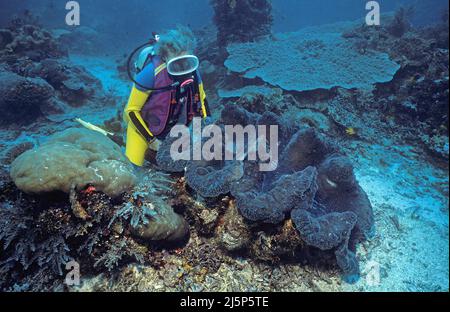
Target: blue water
[291, 15]
[127, 22]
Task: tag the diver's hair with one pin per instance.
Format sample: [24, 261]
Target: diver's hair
[173, 42]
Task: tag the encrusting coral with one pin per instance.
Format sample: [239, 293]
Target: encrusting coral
[74, 158]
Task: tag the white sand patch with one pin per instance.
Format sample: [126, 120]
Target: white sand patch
[411, 210]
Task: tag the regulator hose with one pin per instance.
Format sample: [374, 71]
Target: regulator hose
[130, 74]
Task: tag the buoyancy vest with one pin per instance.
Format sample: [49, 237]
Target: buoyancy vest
[165, 106]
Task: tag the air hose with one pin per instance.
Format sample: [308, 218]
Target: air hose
[130, 75]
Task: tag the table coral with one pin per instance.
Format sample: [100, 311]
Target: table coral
[75, 157]
[310, 59]
[251, 89]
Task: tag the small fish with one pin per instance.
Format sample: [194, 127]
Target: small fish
[350, 131]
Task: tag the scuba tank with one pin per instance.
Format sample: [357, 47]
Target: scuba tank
[143, 59]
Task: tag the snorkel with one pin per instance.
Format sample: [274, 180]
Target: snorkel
[181, 69]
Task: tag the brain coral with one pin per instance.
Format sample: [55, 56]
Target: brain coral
[73, 158]
[313, 58]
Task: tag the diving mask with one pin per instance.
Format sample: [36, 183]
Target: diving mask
[182, 65]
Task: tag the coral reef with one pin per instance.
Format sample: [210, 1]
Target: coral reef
[38, 241]
[400, 23]
[266, 218]
[21, 98]
[165, 225]
[149, 212]
[241, 20]
[323, 60]
[15, 151]
[73, 158]
[226, 226]
[40, 234]
[30, 41]
[37, 78]
[203, 214]
[70, 39]
[419, 93]
[278, 244]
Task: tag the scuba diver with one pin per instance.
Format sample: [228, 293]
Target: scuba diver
[167, 91]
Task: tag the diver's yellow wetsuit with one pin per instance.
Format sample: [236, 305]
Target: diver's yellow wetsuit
[139, 136]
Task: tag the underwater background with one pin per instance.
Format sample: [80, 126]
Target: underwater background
[359, 201]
